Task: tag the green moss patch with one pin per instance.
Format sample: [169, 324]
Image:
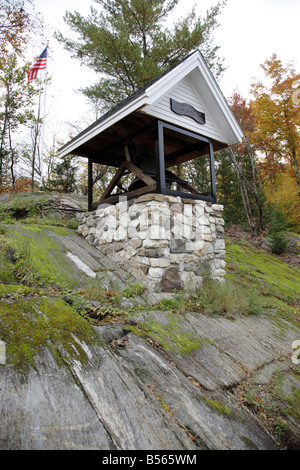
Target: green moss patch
[170, 334]
[294, 405]
[6, 274]
[263, 267]
[218, 406]
[28, 326]
[48, 262]
[277, 282]
[10, 290]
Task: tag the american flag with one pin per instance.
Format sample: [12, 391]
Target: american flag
[40, 64]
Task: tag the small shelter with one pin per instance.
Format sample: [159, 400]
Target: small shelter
[180, 116]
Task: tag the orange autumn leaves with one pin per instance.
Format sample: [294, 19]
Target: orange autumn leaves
[271, 123]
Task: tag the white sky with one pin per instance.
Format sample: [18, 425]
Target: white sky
[250, 32]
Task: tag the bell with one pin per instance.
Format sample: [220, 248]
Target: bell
[148, 166]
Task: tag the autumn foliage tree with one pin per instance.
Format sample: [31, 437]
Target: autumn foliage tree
[277, 116]
[276, 137]
[239, 168]
[17, 22]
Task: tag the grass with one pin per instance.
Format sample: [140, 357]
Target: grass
[226, 299]
[20, 207]
[28, 209]
[229, 298]
[275, 283]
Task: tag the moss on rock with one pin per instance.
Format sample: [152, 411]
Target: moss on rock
[275, 280]
[47, 258]
[218, 406]
[170, 334]
[30, 325]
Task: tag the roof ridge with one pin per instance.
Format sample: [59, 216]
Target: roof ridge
[131, 97]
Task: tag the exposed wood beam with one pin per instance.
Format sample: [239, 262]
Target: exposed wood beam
[131, 194]
[126, 165]
[139, 173]
[114, 181]
[121, 142]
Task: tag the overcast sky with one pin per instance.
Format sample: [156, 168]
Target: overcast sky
[250, 32]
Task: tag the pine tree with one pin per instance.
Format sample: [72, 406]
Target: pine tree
[277, 229]
[228, 191]
[65, 176]
[128, 44]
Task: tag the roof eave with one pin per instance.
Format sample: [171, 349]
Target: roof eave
[92, 131]
[150, 93]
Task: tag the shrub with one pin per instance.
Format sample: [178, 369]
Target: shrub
[21, 207]
[277, 230]
[278, 243]
[133, 289]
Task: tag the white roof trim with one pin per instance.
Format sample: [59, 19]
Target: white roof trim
[95, 130]
[157, 89]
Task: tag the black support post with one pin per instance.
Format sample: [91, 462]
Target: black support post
[90, 184]
[160, 159]
[212, 172]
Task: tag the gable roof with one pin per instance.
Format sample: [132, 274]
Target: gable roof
[191, 82]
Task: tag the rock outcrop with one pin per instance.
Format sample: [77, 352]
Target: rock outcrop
[149, 380]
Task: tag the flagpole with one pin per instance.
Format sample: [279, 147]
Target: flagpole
[36, 139]
[43, 125]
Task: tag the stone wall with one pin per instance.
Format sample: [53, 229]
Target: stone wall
[166, 242]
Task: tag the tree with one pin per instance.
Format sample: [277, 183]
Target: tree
[128, 44]
[277, 119]
[276, 137]
[277, 228]
[15, 113]
[228, 190]
[65, 176]
[243, 161]
[16, 23]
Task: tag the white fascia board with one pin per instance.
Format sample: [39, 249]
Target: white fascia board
[171, 79]
[196, 62]
[217, 95]
[134, 105]
[219, 109]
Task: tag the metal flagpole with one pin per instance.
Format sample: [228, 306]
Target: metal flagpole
[36, 140]
[43, 125]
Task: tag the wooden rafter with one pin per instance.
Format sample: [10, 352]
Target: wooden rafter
[126, 165]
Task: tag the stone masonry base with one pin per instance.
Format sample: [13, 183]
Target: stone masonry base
[166, 242]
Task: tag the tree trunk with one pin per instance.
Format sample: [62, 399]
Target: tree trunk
[2, 143]
[243, 191]
[12, 159]
[296, 167]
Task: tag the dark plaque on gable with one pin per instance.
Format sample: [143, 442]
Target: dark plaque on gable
[185, 109]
